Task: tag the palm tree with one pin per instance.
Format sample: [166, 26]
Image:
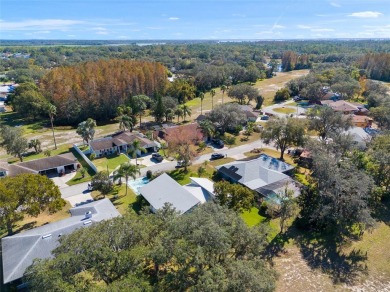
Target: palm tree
[126, 122]
[52, 111]
[207, 128]
[126, 170]
[212, 92]
[135, 148]
[186, 110]
[223, 89]
[178, 113]
[126, 119]
[201, 95]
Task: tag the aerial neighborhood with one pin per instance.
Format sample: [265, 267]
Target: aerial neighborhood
[186, 166]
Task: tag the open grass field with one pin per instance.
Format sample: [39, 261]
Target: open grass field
[268, 87]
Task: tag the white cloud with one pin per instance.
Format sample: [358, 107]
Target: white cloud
[301, 26]
[366, 14]
[173, 18]
[334, 4]
[278, 26]
[40, 24]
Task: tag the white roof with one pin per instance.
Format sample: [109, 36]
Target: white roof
[205, 183]
[165, 189]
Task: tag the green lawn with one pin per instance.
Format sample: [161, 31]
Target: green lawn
[124, 203]
[89, 172]
[61, 149]
[252, 217]
[110, 162]
[285, 110]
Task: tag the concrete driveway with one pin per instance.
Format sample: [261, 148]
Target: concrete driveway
[61, 181]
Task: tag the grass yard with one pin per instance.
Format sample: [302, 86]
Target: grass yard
[122, 202]
[61, 149]
[268, 87]
[252, 217]
[89, 172]
[110, 162]
[284, 110]
[273, 153]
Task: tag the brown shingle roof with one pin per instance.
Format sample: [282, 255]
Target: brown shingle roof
[102, 144]
[122, 138]
[49, 162]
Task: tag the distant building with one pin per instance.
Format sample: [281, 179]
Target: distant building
[19, 250]
[362, 121]
[346, 107]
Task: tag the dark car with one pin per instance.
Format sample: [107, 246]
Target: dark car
[216, 156]
[218, 143]
[264, 118]
[157, 156]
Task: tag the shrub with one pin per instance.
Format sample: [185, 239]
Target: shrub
[149, 174]
[92, 156]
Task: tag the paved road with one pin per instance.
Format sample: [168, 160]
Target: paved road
[168, 166]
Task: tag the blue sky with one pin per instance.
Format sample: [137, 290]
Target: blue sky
[194, 19]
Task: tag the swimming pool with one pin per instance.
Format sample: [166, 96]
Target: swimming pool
[135, 185]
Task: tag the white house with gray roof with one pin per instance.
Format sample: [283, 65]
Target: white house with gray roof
[265, 175]
[19, 250]
[165, 189]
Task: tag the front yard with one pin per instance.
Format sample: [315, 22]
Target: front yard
[110, 162]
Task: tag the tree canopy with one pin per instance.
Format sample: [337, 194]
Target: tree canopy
[209, 249]
[27, 194]
[284, 132]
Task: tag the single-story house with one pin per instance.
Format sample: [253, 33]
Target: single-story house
[250, 115]
[187, 128]
[262, 175]
[359, 137]
[19, 250]
[346, 107]
[165, 189]
[120, 142]
[362, 121]
[58, 164]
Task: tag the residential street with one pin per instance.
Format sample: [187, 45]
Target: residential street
[235, 152]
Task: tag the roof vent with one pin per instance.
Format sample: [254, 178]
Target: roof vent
[88, 215]
[46, 236]
[87, 222]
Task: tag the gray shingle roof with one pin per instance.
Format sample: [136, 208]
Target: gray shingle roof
[21, 249]
[163, 190]
[256, 173]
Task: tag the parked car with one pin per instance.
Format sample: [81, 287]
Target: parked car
[297, 98]
[157, 156]
[264, 118]
[218, 143]
[180, 163]
[215, 156]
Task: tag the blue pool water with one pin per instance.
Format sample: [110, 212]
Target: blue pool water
[138, 183]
